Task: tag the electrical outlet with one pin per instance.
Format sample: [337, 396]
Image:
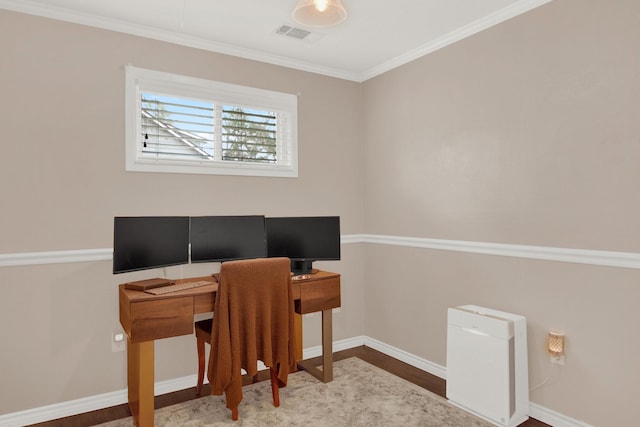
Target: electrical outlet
[118, 341]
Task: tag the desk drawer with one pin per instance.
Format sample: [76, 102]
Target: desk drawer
[318, 295]
[161, 318]
[203, 303]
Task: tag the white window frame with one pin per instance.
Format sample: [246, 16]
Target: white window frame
[139, 80]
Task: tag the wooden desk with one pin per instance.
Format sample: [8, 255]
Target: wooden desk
[147, 317]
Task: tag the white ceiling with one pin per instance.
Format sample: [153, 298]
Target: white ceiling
[377, 36]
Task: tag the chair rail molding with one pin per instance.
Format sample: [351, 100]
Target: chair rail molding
[580, 256]
[55, 257]
[548, 253]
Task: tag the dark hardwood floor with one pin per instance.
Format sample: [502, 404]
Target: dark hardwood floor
[403, 370]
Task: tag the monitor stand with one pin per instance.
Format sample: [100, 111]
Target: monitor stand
[302, 267]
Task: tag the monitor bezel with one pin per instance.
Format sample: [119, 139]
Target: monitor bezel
[302, 263]
[261, 219]
[151, 265]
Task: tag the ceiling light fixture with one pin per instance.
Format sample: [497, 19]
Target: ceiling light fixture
[319, 13]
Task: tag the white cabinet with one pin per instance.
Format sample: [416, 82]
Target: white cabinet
[487, 369]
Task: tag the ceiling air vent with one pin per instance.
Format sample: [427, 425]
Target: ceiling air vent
[296, 33]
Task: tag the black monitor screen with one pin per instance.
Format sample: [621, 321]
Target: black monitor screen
[225, 238]
[304, 240]
[140, 243]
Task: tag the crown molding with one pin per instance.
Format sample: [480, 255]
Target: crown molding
[67, 15]
[61, 14]
[454, 36]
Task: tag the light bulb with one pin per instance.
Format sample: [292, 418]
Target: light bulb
[321, 5]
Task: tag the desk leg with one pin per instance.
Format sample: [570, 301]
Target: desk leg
[140, 382]
[327, 345]
[297, 322]
[326, 373]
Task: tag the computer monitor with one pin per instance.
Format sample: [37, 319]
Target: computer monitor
[225, 238]
[141, 243]
[304, 240]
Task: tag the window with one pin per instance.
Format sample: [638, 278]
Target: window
[188, 125]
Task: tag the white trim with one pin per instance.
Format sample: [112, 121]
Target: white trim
[345, 344]
[579, 256]
[88, 255]
[55, 257]
[106, 400]
[536, 411]
[347, 239]
[454, 36]
[91, 403]
[285, 105]
[553, 418]
[415, 361]
[200, 43]
[119, 397]
[63, 14]
[63, 409]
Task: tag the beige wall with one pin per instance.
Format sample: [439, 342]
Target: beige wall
[62, 180]
[526, 133]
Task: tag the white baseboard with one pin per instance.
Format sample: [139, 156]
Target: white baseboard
[396, 353]
[345, 344]
[553, 418]
[536, 411]
[87, 404]
[106, 400]
[63, 409]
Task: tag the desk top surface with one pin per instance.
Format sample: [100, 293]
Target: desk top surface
[136, 296]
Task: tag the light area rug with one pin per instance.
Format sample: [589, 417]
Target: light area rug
[359, 395]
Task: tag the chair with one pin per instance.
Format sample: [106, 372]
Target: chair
[253, 320]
